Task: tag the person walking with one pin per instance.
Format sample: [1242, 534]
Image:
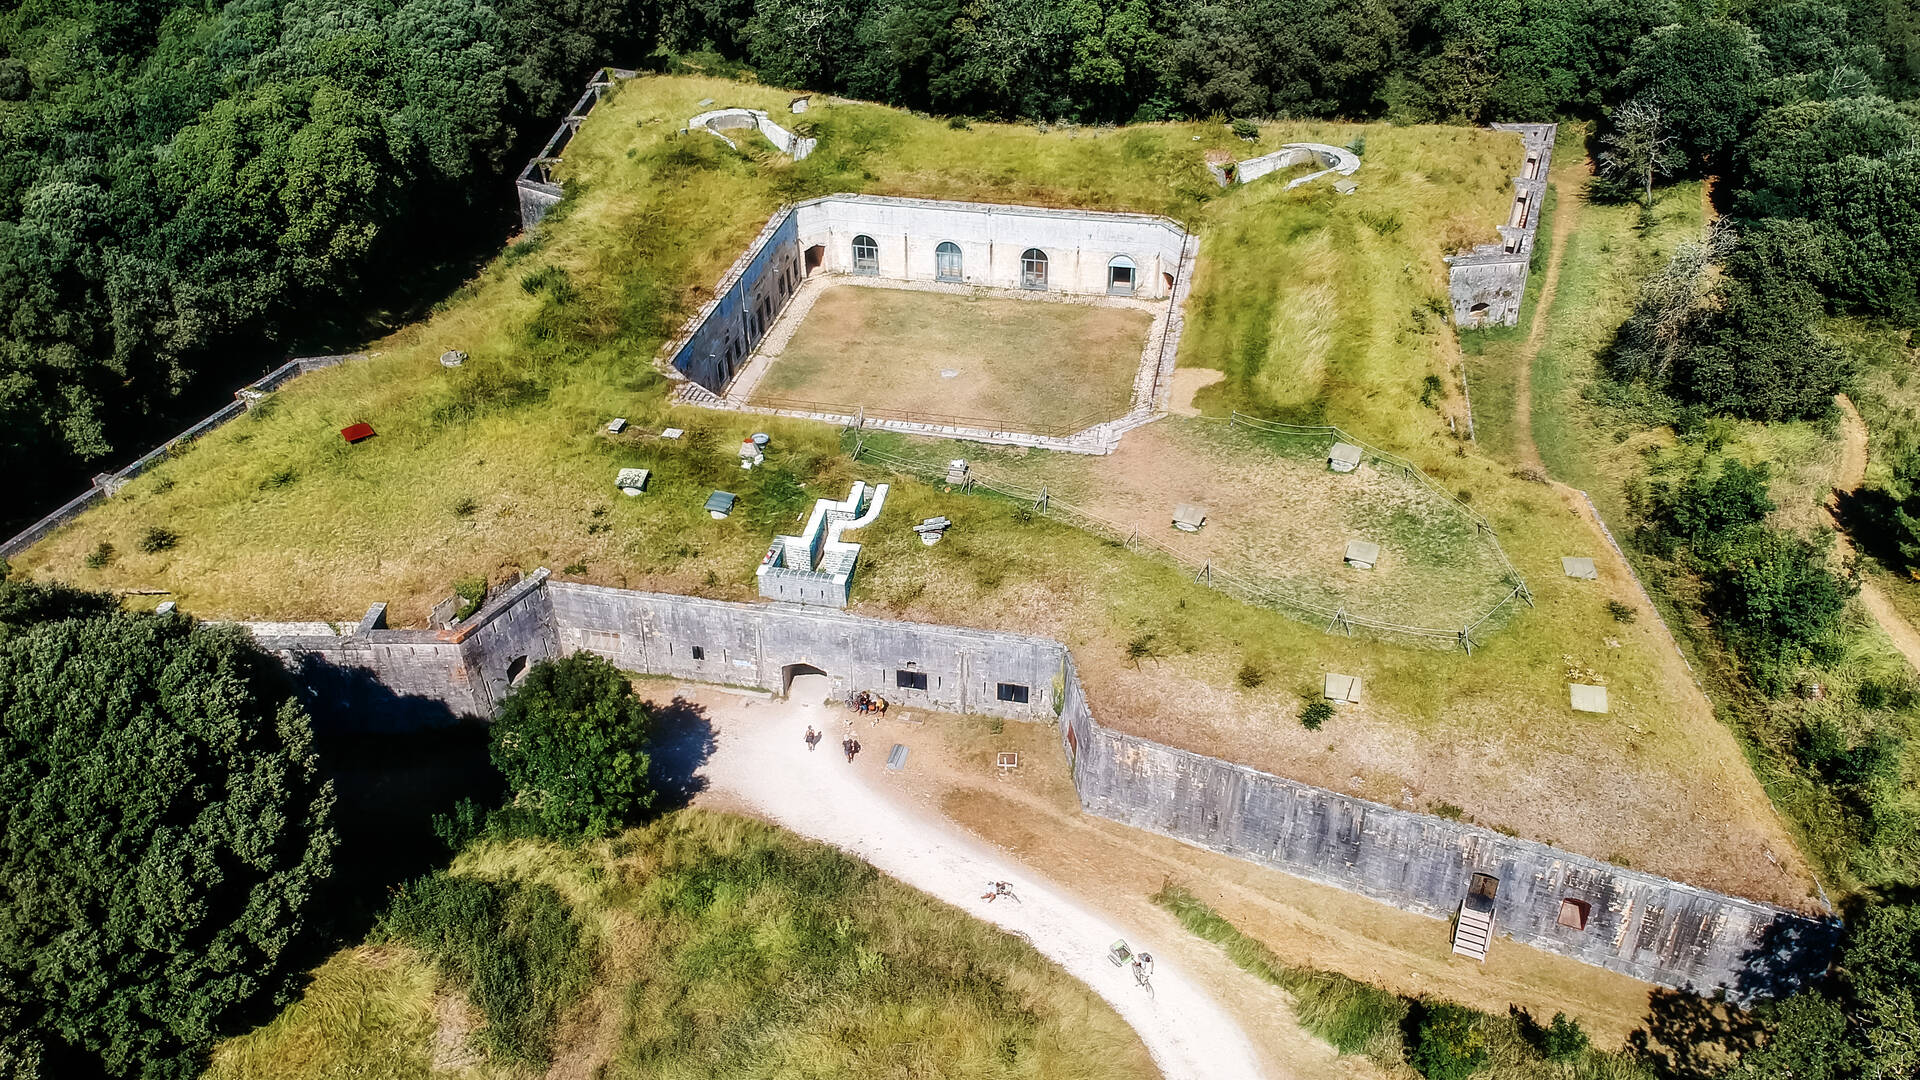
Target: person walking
[813, 737]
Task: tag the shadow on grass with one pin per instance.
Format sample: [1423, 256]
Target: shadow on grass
[1688, 1037]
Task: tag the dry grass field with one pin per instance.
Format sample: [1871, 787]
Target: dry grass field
[1021, 364]
[1278, 516]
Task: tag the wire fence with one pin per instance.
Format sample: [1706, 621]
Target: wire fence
[1205, 572]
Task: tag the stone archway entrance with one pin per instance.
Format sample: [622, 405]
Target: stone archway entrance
[813, 257]
[814, 682]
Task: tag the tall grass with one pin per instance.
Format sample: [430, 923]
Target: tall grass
[1357, 1018]
[725, 948]
[514, 948]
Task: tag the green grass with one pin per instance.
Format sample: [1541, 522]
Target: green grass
[1356, 1018]
[727, 949]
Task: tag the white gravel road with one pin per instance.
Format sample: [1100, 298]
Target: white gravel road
[760, 759]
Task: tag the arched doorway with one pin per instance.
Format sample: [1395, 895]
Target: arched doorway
[1121, 276]
[809, 673]
[946, 261]
[866, 255]
[1033, 269]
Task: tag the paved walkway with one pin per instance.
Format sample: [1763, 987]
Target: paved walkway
[760, 759]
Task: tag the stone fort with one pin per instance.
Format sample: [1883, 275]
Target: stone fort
[1650, 928]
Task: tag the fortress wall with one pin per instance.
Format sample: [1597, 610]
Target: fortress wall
[1647, 927]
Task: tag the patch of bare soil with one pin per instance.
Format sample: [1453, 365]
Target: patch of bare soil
[455, 1023]
[1188, 382]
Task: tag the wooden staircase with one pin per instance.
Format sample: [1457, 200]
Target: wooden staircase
[1473, 931]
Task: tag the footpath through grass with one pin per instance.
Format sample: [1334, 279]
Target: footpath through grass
[718, 947]
[1395, 1031]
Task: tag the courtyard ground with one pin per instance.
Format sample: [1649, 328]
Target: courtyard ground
[1004, 362]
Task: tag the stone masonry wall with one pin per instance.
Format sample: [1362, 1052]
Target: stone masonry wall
[1486, 284]
[1647, 927]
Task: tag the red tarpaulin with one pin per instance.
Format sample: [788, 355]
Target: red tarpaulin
[357, 432]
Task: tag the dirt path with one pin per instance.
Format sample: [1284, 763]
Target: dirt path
[1566, 215]
[760, 760]
[1853, 472]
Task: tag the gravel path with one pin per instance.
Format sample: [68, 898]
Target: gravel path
[761, 759]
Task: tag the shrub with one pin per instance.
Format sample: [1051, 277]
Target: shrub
[1315, 713]
[472, 591]
[466, 506]
[279, 478]
[515, 948]
[157, 539]
[571, 742]
[1622, 613]
[1251, 675]
[575, 569]
[1431, 387]
[1448, 1043]
[1245, 129]
[101, 555]
[1562, 1040]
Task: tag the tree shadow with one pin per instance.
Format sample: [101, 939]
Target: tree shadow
[1688, 1037]
[682, 742]
[345, 700]
[1868, 517]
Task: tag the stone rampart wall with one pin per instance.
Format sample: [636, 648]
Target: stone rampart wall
[1660, 931]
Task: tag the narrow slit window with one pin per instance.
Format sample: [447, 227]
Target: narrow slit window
[699, 652]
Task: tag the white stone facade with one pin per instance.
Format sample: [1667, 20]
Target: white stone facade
[1085, 251]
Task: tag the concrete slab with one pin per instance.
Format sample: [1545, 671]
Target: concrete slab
[1362, 554]
[1586, 698]
[1343, 689]
[1580, 568]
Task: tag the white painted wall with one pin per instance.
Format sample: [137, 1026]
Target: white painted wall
[1079, 244]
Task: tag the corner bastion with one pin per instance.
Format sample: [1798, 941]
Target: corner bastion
[1650, 928]
[722, 120]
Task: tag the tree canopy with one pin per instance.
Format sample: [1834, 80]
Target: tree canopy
[571, 740]
[162, 832]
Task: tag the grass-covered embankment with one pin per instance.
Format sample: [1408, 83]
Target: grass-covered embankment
[703, 945]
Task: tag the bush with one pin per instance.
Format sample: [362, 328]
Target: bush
[100, 556]
[156, 540]
[571, 742]
[1245, 129]
[1562, 1040]
[1622, 613]
[1315, 713]
[1250, 675]
[1448, 1043]
[472, 591]
[515, 948]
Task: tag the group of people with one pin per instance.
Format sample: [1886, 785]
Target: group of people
[848, 746]
[866, 703]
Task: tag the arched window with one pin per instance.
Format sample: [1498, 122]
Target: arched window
[946, 261]
[1121, 276]
[866, 255]
[1033, 269]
